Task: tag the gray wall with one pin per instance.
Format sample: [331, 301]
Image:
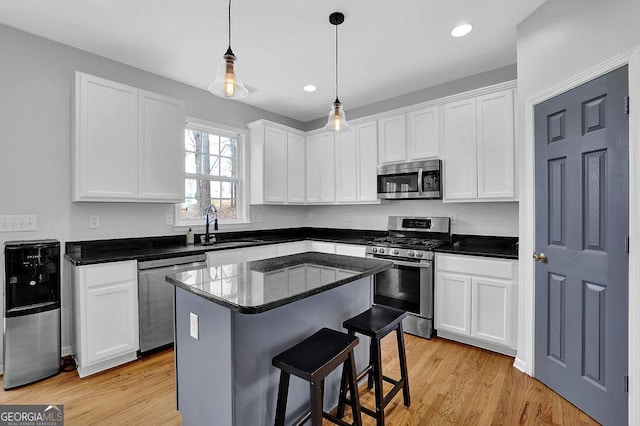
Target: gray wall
[488, 78]
[558, 41]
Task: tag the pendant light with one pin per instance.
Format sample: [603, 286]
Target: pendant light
[337, 121]
[227, 83]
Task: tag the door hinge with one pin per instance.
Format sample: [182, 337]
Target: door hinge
[626, 245]
[626, 105]
[626, 384]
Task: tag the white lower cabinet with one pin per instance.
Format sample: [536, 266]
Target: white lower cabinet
[105, 306]
[476, 301]
[322, 247]
[286, 249]
[351, 250]
[225, 257]
[260, 252]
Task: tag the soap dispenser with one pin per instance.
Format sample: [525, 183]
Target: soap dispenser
[190, 237]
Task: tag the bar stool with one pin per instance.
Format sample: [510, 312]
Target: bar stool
[376, 323]
[312, 360]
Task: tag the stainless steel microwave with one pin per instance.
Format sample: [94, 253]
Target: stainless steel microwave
[417, 179]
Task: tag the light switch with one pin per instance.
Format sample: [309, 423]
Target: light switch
[193, 321]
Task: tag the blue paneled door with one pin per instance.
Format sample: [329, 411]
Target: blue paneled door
[581, 229]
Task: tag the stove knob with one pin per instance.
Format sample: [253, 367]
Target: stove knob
[381, 251]
[374, 250]
[410, 253]
[395, 251]
[419, 254]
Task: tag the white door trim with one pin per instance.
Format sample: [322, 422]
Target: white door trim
[525, 358]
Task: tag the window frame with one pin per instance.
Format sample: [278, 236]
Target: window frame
[242, 199]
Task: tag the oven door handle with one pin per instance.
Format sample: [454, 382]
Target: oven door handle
[420, 185]
[422, 264]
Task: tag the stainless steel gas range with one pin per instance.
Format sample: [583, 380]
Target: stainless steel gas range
[409, 284]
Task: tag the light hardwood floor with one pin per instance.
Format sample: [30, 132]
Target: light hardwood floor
[450, 383]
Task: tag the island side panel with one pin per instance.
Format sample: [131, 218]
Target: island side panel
[258, 338]
[203, 366]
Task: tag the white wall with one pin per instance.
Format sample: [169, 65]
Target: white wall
[471, 218]
[558, 41]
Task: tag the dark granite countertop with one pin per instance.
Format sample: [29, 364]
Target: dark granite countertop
[481, 245]
[259, 286]
[154, 248]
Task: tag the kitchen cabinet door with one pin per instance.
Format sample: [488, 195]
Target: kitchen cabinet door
[105, 306]
[260, 252]
[225, 257]
[392, 146]
[105, 148]
[326, 160]
[320, 168]
[295, 168]
[492, 310]
[347, 165]
[453, 303]
[424, 133]
[351, 250]
[367, 137]
[275, 165]
[460, 156]
[161, 148]
[287, 249]
[496, 146]
[323, 247]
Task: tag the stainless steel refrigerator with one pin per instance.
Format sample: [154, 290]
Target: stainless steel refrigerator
[31, 338]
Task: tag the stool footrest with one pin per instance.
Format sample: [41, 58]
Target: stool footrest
[363, 373]
[389, 396]
[390, 380]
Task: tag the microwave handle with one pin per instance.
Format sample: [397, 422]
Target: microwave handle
[420, 188]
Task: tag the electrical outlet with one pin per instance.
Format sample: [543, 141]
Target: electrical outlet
[257, 217]
[168, 219]
[347, 217]
[193, 325]
[453, 217]
[309, 216]
[18, 223]
[94, 221]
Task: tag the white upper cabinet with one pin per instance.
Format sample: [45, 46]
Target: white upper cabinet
[460, 164]
[496, 157]
[128, 144]
[161, 129]
[296, 170]
[424, 133]
[320, 168]
[392, 139]
[479, 148]
[356, 162]
[277, 164]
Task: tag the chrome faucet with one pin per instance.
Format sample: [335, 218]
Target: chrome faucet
[207, 236]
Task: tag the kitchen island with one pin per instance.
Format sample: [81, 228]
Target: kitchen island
[232, 319]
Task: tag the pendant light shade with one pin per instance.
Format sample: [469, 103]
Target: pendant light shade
[337, 121]
[227, 83]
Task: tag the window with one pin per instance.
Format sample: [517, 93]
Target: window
[213, 166]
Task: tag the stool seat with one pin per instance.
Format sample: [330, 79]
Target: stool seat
[312, 360]
[377, 321]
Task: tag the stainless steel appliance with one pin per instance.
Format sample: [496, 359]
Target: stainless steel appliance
[31, 311]
[418, 179]
[409, 284]
[155, 298]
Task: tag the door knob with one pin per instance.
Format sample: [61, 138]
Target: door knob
[540, 257]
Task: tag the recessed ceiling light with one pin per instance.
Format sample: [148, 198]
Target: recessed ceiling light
[309, 88]
[461, 30]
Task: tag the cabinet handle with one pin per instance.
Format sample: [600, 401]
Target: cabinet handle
[540, 257]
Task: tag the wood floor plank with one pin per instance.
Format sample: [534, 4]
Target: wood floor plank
[451, 384]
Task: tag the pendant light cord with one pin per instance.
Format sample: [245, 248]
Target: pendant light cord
[229, 23]
[336, 61]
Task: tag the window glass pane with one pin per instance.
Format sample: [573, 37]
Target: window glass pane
[190, 162]
[208, 154]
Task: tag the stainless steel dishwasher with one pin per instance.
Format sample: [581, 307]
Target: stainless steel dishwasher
[155, 298]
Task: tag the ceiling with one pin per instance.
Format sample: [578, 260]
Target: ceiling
[282, 45]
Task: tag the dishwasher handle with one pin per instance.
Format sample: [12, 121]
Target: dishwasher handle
[172, 262]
